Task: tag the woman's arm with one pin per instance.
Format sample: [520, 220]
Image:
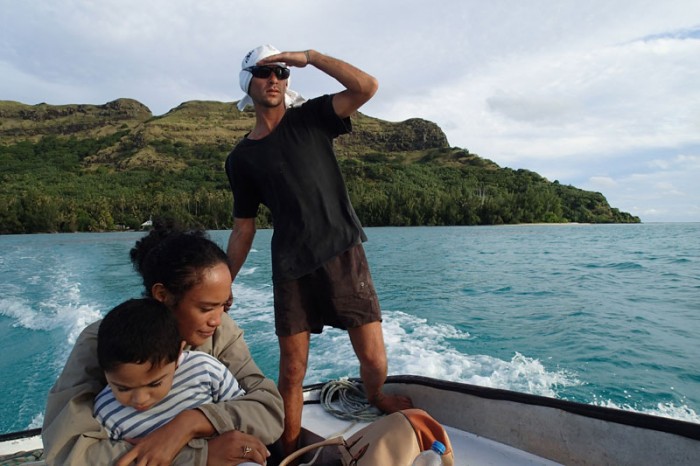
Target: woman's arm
[70, 433]
[260, 411]
[72, 436]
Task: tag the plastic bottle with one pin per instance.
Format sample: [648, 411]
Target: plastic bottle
[432, 457]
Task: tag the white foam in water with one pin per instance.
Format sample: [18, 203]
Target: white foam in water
[418, 348]
[683, 413]
[252, 299]
[66, 309]
[253, 311]
[670, 410]
[247, 271]
[61, 310]
[413, 347]
[15, 309]
[37, 421]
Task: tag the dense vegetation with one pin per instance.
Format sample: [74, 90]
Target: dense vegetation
[75, 180]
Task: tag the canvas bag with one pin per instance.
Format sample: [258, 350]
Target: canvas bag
[393, 440]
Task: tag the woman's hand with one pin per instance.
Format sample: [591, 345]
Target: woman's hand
[235, 447]
[160, 447]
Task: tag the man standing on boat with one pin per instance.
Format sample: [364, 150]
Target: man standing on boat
[319, 270]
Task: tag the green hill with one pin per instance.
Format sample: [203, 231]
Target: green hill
[111, 166]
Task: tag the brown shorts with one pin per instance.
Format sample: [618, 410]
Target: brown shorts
[340, 293]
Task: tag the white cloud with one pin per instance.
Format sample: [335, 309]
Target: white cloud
[611, 99]
[666, 189]
[602, 182]
[590, 93]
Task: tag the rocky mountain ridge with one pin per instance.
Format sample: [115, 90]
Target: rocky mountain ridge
[218, 124]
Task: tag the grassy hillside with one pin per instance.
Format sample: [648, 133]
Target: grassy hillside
[112, 166]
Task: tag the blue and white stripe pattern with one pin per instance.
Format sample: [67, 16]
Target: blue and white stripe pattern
[199, 379]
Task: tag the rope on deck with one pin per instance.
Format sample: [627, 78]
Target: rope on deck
[352, 403]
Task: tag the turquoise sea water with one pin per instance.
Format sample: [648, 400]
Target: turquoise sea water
[601, 314]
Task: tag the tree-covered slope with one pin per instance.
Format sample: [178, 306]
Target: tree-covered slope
[112, 166]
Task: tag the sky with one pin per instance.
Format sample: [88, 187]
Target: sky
[601, 95]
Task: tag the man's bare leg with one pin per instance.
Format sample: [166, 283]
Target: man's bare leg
[368, 343]
[294, 356]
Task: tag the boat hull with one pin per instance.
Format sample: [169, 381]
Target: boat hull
[490, 426]
[549, 429]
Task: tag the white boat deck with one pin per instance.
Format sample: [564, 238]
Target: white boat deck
[20, 444]
[469, 449]
[25, 444]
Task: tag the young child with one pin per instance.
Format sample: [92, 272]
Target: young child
[150, 378]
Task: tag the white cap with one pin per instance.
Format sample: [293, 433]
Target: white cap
[245, 76]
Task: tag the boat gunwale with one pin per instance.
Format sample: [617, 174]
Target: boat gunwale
[9, 436]
[615, 415]
[619, 416]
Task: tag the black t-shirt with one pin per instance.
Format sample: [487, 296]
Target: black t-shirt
[294, 172]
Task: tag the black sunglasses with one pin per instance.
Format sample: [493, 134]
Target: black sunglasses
[266, 71]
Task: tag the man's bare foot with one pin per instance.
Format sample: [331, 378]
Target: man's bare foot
[391, 403]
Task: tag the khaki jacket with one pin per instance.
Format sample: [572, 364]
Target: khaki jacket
[72, 436]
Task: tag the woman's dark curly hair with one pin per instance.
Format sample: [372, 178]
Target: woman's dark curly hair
[175, 258]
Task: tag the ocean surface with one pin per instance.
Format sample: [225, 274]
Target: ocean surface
[600, 314]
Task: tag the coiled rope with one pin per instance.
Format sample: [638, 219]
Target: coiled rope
[351, 403]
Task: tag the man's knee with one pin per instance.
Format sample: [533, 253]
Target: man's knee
[294, 355]
[368, 343]
[292, 372]
[373, 360]
[371, 354]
